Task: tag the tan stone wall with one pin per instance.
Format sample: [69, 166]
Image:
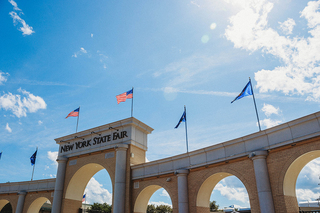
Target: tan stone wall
[99, 158]
[242, 169]
[32, 196]
[12, 198]
[278, 163]
[139, 155]
[71, 206]
[171, 187]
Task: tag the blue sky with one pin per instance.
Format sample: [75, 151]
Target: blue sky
[56, 56]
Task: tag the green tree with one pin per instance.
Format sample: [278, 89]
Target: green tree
[214, 206]
[100, 208]
[151, 208]
[163, 209]
[159, 209]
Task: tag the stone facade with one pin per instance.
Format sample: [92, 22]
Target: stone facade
[266, 162]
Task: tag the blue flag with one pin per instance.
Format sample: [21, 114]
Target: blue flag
[33, 158]
[0, 154]
[182, 119]
[247, 90]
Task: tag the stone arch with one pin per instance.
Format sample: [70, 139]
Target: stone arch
[80, 179]
[203, 196]
[141, 203]
[3, 202]
[210, 177]
[291, 175]
[37, 204]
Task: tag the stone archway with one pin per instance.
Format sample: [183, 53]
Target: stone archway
[77, 184]
[37, 204]
[208, 185]
[80, 180]
[140, 206]
[203, 196]
[291, 176]
[3, 203]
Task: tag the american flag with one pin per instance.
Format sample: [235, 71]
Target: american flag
[83, 198]
[74, 113]
[124, 96]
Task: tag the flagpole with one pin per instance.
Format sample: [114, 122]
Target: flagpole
[254, 101]
[34, 166]
[78, 120]
[132, 104]
[185, 111]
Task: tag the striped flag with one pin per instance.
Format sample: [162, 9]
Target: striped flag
[84, 198]
[74, 113]
[124, 96]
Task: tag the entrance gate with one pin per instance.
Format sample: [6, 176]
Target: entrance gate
[114, 147]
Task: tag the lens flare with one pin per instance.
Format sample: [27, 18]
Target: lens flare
[213, 26]
[205, 39]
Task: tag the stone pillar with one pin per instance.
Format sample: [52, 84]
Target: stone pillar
[183, 198]
[262, 181]
[120, 180]
[58, 189]
[22, 196]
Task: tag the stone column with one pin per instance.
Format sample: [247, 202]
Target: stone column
[58, 189]
[183, 198]
[262, 181]
[120, 180]
[22, 196]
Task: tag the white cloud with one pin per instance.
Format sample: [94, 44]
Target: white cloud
[21, 105]
[306, 194]
[268, 110]
[269, 122]
[95, 193]
[164, 193]
[312, 171]
[287, 26]
[103, 59]
[3, 77]
[91, 35]
[40, 122]
[307, 188]
[83, 50]
[300, 72]
[80, 52]
[8, 128]
[25, 29]
[233, 193]
[14, 4]
[53, 157]
[159, 203]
